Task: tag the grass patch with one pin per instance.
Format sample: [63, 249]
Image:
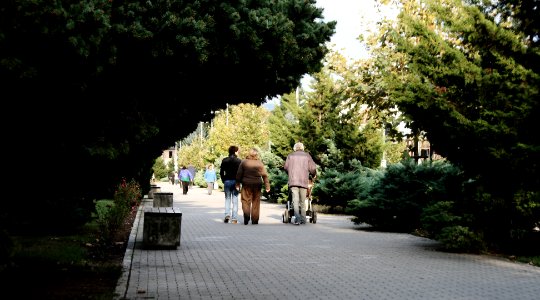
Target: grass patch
[59, 250]
[70, 266]
[531, 260]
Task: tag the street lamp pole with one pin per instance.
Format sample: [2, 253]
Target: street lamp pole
[175, 157]
[383, 160]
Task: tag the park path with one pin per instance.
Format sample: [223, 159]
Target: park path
[332, 259]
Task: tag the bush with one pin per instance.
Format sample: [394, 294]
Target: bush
[334, 188]
[397, 200]
[111, 214]
[437, 216]
[199, 180]
[461, 239]
[278, 186]
[277, 176]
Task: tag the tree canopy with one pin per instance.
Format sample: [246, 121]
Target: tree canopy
[104, 85]
[329, 118]
[466, 74]
[463, 80]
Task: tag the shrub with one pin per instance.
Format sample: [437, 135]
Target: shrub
[334, 188]
[397, 200]
[128, 193]
[460, 239]
[278, 186]
[199, 180]
[277, 176]
[111, 214]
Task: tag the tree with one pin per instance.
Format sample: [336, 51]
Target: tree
[333, 121]
[159, 169]
[128, 51]
[521, 15]
[245, 126]
[469, 82]
[283, 124]
[106, 85]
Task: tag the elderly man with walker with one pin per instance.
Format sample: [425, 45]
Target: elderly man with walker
[299, 166]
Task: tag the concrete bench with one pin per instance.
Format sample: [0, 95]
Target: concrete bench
[153, 189]
[163, 199]
[162, 227]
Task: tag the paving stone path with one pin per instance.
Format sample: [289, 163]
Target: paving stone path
[332, 259]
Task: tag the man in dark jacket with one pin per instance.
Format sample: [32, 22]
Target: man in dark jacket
[299, 165]
[227, 172]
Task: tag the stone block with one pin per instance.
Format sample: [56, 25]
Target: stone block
[153, 189]
[162, 227]
[163, 199]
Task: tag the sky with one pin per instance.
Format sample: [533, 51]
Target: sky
[350, 16]
[354, 17]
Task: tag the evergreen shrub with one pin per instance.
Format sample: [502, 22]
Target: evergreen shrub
[397, 200]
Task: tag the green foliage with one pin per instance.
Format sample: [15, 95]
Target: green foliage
[469, 79]
[271, 160]
[91, 41]
[111, 214]
[107, 219]
[193, 154]
[328, 124]
[243, 125]
[437, 216]
[128, 193]
[532, 260]
[527, 206]
[199, 179]
[461, 239]
[277, 176]
[283, 125]
[122, 56]
[331, 122]
[394, 152]
[396, 201]
[52, 250]
[278, 185]
[336, 187]
[159, 168]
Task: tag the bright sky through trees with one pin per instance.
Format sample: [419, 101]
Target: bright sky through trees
[354, 17]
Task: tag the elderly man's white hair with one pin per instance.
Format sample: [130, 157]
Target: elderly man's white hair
[298, 146]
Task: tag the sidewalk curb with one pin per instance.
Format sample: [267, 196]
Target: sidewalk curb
[123, 282]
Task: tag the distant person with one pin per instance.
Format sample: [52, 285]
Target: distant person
[171, 177]
[210, 177]
[193, 172]
[299, 166]
[227, 172]
[251, 174]
[185, 178]
[176, 177]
